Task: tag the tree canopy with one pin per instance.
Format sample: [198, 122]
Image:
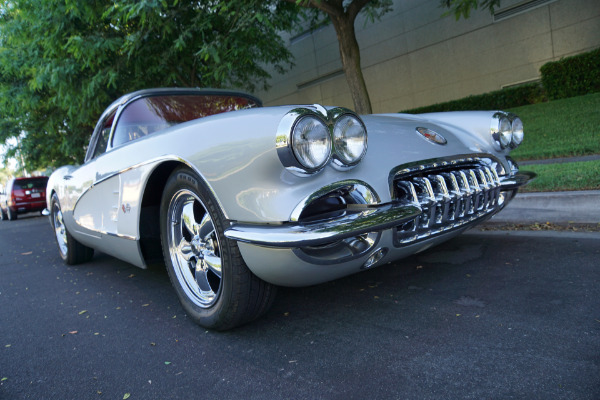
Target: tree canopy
[63, 61]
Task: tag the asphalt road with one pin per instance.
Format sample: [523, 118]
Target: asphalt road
[484, 316]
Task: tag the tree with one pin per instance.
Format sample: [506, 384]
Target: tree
[63, 61]
[342, 15]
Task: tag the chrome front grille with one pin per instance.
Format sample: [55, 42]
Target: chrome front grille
[449, 196]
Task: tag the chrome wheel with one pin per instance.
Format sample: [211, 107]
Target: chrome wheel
[194, 248]
[59, 229]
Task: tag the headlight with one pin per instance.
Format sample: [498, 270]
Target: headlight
[501, 130]
[309, 137]
[311, 143]
[517, 132]
[349, 141]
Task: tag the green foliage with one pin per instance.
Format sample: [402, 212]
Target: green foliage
[4, 175]
[572, 76]
[320, 12]
[63, 61]
[462, 8]
[530, 93]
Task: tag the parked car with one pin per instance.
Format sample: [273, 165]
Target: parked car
[237, 199]
[23, 195]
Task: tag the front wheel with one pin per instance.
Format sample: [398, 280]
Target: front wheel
[71, 251]
[213, 283]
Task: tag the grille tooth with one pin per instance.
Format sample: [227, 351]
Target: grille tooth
[476, 199]
[427, 201]
[448, 199]
[456, 196]
[442, 198]
[466, 191]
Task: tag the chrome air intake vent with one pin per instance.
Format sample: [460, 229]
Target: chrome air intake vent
[450, 195]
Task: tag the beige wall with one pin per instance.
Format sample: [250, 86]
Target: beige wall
[415, 57]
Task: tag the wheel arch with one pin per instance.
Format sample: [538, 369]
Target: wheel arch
[149, 226]
[150, 244]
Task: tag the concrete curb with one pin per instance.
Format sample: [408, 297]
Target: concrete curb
[556, 207]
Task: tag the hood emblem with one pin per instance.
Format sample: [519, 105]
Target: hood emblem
[431, 135]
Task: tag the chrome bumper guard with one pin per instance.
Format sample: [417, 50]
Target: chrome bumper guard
[292, 235]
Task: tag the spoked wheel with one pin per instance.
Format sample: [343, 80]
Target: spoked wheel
[213, 283]
[71, 251]
[194, 249]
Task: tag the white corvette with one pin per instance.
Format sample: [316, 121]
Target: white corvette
[236, 199]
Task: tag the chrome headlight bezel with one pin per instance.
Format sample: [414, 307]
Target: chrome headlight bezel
[311, 143]
[289, 146]
[517, 132]
[344, 157]
[506, 131]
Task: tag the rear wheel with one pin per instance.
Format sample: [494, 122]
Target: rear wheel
[71, 251]
[12, 215]
[213, 283]
[2, 214]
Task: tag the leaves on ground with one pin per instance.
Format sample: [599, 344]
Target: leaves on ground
[539, 226]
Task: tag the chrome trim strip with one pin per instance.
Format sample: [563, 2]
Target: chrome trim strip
[314, 234]
[120, 236]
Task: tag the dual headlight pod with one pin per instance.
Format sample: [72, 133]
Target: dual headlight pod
[308, 139]
[506, 130]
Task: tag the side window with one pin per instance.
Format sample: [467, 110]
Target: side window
[102, 140]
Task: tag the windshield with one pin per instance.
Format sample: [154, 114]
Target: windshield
[150, 114]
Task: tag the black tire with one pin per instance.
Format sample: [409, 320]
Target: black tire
[196, 252]
[11, 215]
[2, 214]
[71, 251]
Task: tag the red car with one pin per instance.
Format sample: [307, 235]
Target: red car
[23, 195]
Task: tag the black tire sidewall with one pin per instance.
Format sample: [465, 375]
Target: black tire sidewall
[54, 202]
[216, 315]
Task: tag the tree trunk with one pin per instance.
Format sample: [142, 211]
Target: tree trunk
[350, 54]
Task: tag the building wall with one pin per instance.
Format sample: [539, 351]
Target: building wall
[414, 56]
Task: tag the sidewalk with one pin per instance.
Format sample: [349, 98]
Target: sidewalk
[554, 207]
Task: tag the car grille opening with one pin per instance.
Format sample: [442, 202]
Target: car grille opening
[338, 200]
[450, 196]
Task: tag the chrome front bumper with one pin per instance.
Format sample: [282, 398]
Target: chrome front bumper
[354, 223]
[409, 215]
